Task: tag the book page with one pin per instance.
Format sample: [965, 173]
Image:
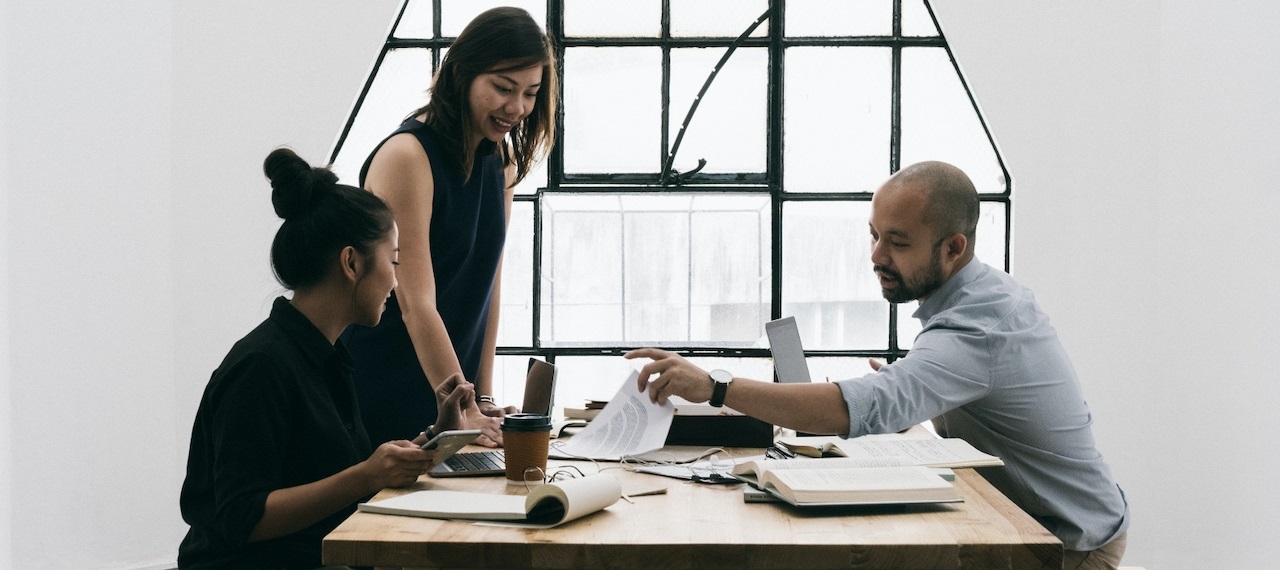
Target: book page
[950, 452]
[569, 499]
[931, 452]
[869, 478]
[450, 505]
[545, 506]
[761, 466]
[629, 425]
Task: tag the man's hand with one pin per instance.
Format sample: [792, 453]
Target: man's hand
[675, 375]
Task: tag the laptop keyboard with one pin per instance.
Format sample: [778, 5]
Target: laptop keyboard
[477, 461]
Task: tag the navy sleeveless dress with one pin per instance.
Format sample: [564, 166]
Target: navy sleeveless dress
[468, 229]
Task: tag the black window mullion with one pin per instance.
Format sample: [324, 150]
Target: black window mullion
[555, 172]
[438, 42]
[775, 167]
[665, 95]
[770, 181]
[895, 146]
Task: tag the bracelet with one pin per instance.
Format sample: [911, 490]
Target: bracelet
[485, 399]
[430, 433]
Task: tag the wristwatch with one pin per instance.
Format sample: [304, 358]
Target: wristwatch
[485, 399]
[720, 380]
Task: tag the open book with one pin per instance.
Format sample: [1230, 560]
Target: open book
[844, 481]
[930, 452]
[545, 506]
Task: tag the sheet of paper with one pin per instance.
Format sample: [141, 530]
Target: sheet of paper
[629, 425]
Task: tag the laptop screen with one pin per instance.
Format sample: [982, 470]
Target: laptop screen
[539, 388]
[789, 364]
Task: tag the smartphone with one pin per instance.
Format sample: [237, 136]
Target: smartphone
[447, 443]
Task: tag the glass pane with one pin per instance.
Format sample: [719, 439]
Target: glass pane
[837, 111]
[939, 122]
[916, 21]
[537, 178]
[731, 267]
[416, 22]
[399, 87]
[827, 281]
[456, 14]
[658, 270]
[988, 248]
[581, 269]
[582, 378]
[834, 369]
[989, 245]
[807, 18]
[613, 18]
[656, 296]
[508, 380]
[608, 91]
[753, 368]
[717, 18]
[728, 129]
[515, 325]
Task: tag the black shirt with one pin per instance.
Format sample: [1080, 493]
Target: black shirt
[468, 230]
[280, 411]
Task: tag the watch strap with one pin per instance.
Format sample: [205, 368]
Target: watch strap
[718, 390]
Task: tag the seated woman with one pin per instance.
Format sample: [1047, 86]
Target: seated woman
[279, 455]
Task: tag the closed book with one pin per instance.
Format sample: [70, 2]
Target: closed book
[581, 413]
[846, 482]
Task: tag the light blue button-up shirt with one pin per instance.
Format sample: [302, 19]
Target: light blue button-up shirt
[989, 368]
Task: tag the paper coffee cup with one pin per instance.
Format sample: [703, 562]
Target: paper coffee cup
[525, 438]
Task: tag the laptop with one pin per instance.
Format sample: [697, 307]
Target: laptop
[539, 396]
[789, 364]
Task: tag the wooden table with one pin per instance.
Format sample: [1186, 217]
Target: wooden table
[708, 526]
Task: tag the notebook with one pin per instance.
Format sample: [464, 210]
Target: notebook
[539, 395]
[789, 364]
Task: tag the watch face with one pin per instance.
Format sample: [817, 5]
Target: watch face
[721, 376]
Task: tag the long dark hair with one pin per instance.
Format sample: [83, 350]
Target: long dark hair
[500, 39]
[320, 218]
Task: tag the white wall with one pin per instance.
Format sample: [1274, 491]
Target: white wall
[6, 412]
[87, 139]
[137, 229]
[136, 226]
[1141, 135]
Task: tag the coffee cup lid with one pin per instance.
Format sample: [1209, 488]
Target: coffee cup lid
[526, 422]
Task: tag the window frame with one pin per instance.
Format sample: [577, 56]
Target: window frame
[769, 183]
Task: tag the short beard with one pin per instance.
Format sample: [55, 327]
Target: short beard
[916, 286]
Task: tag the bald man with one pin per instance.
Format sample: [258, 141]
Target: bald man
[987, 367]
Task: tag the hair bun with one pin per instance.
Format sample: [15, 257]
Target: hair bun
[295, 185]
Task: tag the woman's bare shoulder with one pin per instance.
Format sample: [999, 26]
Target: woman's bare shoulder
[400, 149]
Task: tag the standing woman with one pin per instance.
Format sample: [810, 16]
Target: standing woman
[448, 174]
[278, 454]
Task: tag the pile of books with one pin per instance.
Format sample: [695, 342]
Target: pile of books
[870, 470]
[588, 411]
